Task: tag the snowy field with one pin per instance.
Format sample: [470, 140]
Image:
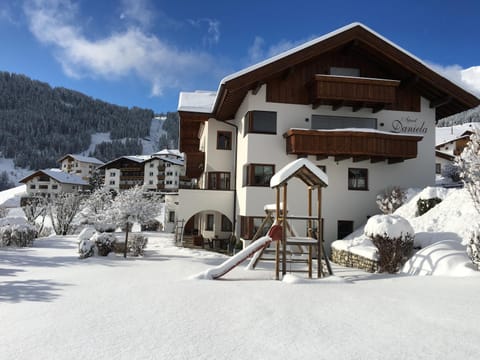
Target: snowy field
[55, 306]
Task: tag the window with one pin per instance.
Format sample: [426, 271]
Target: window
[171, 216]
[218, 181]
[209, 225]
[226, 224]
[151, 164]
[438, 168]
[150, 182]
[32, 186]
[357, 179]
[112, 182]
[151, 173]
[169, 173]
[342, 122]
[112, 174]
[250, 224]
[323, 168]
[344, 71]
[259, 174]
[224, 140]
[43, 187]
[261, 122]
[54, 187]
[78, 171]
[344, 228]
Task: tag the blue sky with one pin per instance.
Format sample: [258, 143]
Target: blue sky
[143, 52]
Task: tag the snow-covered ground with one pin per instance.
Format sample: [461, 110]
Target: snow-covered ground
[55, 306]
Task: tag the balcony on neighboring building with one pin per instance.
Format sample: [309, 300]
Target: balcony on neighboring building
[353, 91]
[359, 144]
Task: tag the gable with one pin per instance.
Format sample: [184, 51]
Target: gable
[354, 45]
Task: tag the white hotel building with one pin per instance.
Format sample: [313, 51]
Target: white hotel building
[352, 102]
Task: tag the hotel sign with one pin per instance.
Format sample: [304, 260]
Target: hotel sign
[409, 125]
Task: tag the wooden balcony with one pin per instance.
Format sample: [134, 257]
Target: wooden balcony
[353, 91]
[360, 145]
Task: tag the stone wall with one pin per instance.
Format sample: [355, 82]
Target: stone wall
[347, 259]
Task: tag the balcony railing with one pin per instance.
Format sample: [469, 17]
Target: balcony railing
[330, 89]
[360, 145]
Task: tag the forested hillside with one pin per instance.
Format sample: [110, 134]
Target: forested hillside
[39, 124]
[468, 116]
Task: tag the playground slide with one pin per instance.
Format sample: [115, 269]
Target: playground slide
[218, 271]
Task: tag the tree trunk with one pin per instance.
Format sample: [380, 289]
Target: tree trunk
[126, 240]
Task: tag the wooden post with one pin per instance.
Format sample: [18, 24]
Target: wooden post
[284, 233]
[309, 232]
[319, 233]
[277, 243]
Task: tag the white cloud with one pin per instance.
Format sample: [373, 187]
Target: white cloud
[469, 78]
[213, 29]
[139, 12]
[258, 52]
[130, 51]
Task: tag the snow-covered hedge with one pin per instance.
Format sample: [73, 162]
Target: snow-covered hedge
[86, 248]
[473, 247]
[393, 236]
[137, 244]
[104, 242]
[17, 235]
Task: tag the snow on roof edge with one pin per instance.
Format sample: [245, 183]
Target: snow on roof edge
[292, 167]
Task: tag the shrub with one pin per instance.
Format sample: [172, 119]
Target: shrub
[451, 171]
[393, 237]
[473, 247]
[137, 244]
[105, 243]
[424, 205]
[3, 212]
[391, 199]
[17, 235]
[152, 225]
[86, 248]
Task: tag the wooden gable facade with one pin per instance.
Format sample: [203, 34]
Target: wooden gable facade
[386, 77]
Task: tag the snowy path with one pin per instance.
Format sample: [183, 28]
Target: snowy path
[54, 306]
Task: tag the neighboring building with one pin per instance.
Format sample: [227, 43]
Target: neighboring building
[124, 172]
[355, 104]
[52, 182]
[163, 171]
[79, 165]
[450, 142]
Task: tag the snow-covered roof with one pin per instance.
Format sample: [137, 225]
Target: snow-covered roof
[174, 152]
[197, 101]
[58, 175]
[81, 158]
[444, 135]
[136, 158]
[294, 169]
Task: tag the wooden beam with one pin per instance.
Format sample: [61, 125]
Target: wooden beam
[256, 88]
[349, 47]
[358, 106]
[409, 81]
[440, 102]
[360, 158]
[395, 160]
[342, 157]
[377, 159]
[337, 105]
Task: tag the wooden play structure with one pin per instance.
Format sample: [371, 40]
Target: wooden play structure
[314, 179]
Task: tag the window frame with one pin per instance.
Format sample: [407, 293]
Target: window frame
[217, 175]
[226, 224]
[210, 222]
[351, 185]
[250, 119]
[226, 145]
[250, 175]
[171, 218]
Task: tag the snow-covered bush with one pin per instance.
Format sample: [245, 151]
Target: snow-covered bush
[19, 235]
[95, 210]
[86, 248]
[63, 209]
[423, 205]
[451, 171]
[105, 243]
[3, 212]
[473, 247]
[35, 210]
[393, 237]
[391, 199]
[137, 244]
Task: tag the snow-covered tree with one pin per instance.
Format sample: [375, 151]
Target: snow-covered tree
[133, 206]
[95, 209]
[35, 208]
[393, 237]
[63, 209]
[469, 168]
[391, 199]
